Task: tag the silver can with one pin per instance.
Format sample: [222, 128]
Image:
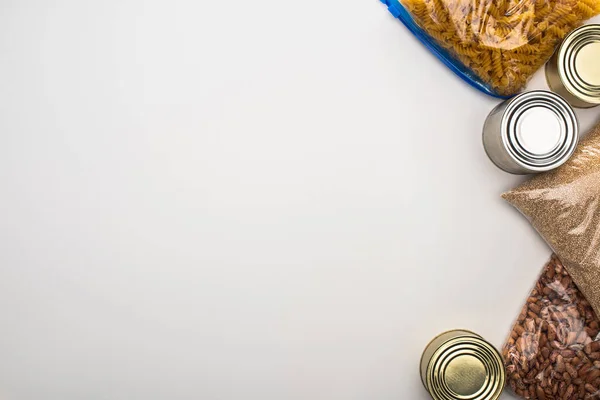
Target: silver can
[533, 132]
[574, 69]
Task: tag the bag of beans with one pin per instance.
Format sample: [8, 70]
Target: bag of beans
[553, 351]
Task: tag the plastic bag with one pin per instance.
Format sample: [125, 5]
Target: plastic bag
[495, 45]
[564, 206]
[553, 351]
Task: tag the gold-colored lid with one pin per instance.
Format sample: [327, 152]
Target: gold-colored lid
[579, 63]
[465, 368]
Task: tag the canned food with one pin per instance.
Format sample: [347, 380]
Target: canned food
[574, 70]
[533, 132]
[459, 364]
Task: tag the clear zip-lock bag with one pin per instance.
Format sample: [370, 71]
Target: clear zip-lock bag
[553, 351]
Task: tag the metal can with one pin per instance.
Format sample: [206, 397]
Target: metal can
[459, 364]
[574, 69]
[533, 132]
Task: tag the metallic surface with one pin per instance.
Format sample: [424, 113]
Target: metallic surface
[533, 132]
[574, 69]
[461, 365]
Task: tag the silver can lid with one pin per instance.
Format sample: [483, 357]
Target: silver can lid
[539, 130]
[579, 63]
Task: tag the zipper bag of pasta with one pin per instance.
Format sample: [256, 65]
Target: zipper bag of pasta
[494, 45]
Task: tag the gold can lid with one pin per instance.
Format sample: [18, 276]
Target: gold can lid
[465, 368]
[579, 63]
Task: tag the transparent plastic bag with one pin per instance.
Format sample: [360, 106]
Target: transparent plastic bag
[563, 205]
[553, 351]
[495, 45]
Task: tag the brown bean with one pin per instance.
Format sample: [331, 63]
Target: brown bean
[560, 364]
[521, 345]
[531, 315]
[569, 392]
[583, 371]
[521, 317]
[567, 353]
[571, 370]
[540, 393]
[588, 349]
[589, 388]
[551, 333]
[545, 352]
[592, 375]
[544, 325]
[519, 330]
[533, 307]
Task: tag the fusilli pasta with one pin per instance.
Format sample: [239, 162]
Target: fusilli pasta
[502, 41]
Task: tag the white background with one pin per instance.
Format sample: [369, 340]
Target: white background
[227, 200]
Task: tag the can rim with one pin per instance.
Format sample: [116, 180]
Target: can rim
[509, 130]
[477, 347]
[436, 338]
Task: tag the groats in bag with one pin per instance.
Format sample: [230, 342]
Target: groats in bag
[495, 45]
[564, 206]
[553, 351]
